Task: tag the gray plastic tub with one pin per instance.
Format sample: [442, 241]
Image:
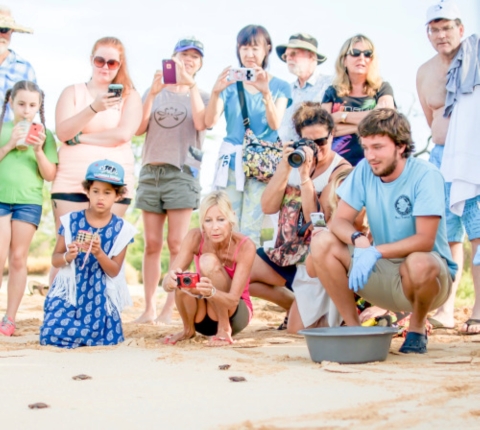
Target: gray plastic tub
[349, 344]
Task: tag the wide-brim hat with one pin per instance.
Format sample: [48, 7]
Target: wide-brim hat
[443, 10]
[7, 21]
[301, 41]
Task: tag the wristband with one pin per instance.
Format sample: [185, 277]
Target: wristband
[355, 236]
[65, 258]
[76, 138]
[91, 107]
[304, 182]
[191, 86]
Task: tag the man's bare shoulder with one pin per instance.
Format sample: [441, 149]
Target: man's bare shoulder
[427, 67]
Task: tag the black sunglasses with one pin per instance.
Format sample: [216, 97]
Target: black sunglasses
[322, 141]
[111, 64]
[4, 30]
[368, 53]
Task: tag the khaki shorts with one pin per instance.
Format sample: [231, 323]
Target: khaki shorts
[384, 287]
[165, 187]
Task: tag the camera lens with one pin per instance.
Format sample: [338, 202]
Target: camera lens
[296, 158]
[187, 280]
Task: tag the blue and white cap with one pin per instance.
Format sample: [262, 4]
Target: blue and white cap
[106, 171]
[445, 9]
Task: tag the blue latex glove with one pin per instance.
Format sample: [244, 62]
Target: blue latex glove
[476, 259]
[364, 260]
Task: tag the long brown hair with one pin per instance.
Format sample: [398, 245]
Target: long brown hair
[122, 77]
[27, 86]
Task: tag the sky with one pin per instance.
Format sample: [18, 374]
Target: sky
[65, 32]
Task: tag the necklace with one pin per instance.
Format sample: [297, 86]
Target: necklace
[228, 249]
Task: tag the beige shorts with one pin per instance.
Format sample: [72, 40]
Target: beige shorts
[384, 287]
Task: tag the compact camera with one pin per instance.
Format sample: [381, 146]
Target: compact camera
[187, 279]
[242, 74]
[297, 157]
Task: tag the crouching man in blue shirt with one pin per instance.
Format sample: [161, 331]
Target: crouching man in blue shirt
[409, 267]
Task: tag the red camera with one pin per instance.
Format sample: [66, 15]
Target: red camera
[187, 279]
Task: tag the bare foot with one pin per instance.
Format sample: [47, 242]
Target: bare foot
[165, 318]
[471, 326]
[442, 320]
[222, 338]
[172, 339]
[146, 318]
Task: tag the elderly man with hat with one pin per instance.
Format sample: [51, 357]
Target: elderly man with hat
[302, 58]
[13, 68]
[449, 91]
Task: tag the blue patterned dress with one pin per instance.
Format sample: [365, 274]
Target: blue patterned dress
[87, 323]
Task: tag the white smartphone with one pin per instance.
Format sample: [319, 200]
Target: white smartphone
[318, 219]
[242, 74]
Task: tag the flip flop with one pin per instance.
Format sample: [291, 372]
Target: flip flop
[220, 339]
[414, 343]
[470, 322]
[436, 324]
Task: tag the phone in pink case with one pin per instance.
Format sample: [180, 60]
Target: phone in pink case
[169, 72]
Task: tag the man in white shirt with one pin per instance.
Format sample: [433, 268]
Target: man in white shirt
[302, 58]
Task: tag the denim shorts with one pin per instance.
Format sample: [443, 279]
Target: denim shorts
[470, 219]
[26, 213]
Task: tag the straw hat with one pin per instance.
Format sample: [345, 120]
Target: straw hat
[301, 41]
[7, 21]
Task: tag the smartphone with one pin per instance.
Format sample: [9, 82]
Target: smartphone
[34, 130]
[245, 75]
[169, 72]
[116, 90]
[318, 219]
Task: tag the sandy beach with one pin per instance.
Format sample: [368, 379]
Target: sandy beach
[145, 383]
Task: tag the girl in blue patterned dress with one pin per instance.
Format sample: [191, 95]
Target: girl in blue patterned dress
[89, 292]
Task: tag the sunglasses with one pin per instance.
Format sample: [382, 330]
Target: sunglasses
[111, 64]
[368, 53]
[189, 42]
[322, 141]
[4, 30]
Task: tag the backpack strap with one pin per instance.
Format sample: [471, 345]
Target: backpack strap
[243, 104]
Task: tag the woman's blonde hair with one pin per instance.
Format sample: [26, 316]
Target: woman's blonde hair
[341, 81]
[220, 199]
[333, 197]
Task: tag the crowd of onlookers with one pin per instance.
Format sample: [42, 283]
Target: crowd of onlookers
[364, 231]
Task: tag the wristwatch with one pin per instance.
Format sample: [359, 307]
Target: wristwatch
[355, 236]
[343, 118]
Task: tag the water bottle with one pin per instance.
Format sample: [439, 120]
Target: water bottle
[21, 145]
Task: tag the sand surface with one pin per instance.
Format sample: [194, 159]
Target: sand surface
[145, 384]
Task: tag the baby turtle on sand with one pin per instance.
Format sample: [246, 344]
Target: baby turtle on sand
[224, 366]
[81, 377]
[38, 406]
[237, 379]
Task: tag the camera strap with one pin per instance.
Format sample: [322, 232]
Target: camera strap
[243, 104]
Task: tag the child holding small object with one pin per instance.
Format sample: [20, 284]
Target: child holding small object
[84, 303]
[28, 156]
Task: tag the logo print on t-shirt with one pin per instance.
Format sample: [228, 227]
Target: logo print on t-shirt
[170, 115]
[403, 205]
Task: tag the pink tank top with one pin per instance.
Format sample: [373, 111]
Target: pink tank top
[74, 160]
[231, 271]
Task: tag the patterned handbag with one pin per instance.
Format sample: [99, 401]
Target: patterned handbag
[260, 158]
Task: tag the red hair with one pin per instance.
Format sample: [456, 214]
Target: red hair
[122, 77]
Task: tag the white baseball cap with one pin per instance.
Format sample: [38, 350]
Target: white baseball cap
[445, 9]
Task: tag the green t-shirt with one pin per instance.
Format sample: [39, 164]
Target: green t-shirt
[20, 180]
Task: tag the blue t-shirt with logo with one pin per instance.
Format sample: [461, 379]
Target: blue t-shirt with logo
[392, 207]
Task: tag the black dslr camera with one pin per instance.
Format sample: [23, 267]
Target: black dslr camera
[297, 157]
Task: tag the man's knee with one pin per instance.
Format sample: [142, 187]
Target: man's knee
[421, 267]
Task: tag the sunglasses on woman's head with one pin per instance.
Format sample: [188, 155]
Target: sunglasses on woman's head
[190, 42]
[322, 141]
[368, 53]
[111, 64]
[4, 30]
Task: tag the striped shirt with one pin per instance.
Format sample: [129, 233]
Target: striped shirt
[13, 69]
